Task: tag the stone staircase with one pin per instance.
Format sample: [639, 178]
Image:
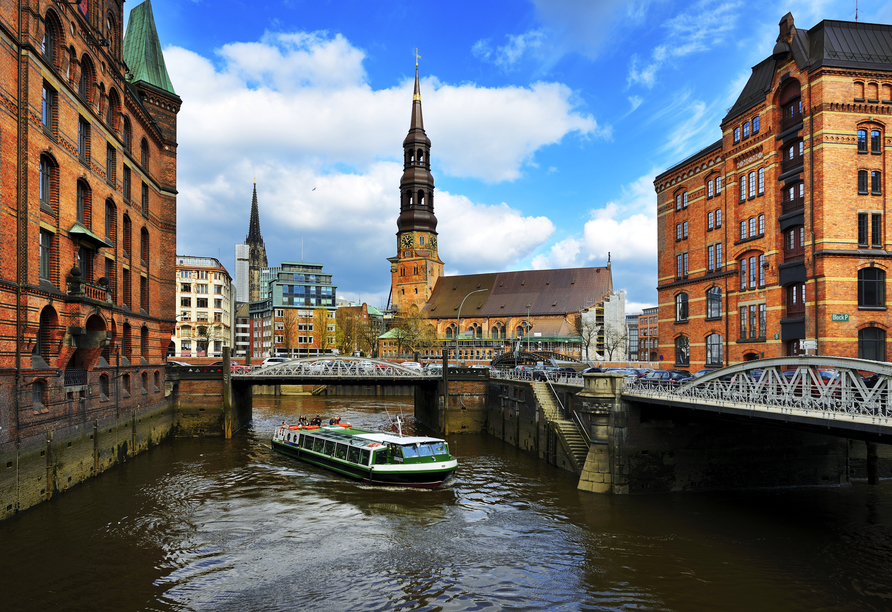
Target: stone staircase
[319, 390]
[567, 431]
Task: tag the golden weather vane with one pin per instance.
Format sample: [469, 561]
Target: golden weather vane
[417, 57]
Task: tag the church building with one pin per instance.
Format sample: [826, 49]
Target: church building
[480, 317]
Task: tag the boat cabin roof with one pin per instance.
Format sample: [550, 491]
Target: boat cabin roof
[360, 437]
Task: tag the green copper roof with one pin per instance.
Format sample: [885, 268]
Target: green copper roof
[142, 49]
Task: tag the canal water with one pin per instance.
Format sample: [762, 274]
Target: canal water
[229, 525]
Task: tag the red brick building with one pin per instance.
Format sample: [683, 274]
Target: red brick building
[88, 169]
[777, 233]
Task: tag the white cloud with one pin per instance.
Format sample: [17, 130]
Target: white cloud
[507, 56]
[626, 231]
[478, 237]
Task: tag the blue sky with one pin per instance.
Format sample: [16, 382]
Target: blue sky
[549, 120]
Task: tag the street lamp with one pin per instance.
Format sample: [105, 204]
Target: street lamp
[458, 323]
[529, 325]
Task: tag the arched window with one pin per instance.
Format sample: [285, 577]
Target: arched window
[144, 154]
[682, 350]
[157, 381]
[862, 141]
[114, 108]
[420, 198]
[714, 303]
[144, 246]
[52, 35]
[126, 237]
[872, 344]
[104, 388]
[48, 183]
[126, 133]
[111, 225]
[876, 142]
[127, 341]
[39, 395]
[88, 78]
[450, 331]
[84, 203]
[421, 157]
[48, 320]
[714, 350]
[681, 307]
[871, 288]
[125, 383]
[498, 331]
[791, 104]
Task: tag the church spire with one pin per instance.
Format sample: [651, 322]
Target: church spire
[417, 184]
[254, 236]
[256, 253]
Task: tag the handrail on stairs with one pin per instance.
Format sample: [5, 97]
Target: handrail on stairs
[582, 428]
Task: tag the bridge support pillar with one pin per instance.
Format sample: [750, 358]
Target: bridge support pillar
[872, 462]
[605, 416]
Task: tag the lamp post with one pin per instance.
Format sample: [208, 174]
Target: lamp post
[529, 325]
[458, 322]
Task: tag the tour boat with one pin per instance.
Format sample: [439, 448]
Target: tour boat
[375, 458]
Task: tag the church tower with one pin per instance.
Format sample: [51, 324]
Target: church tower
[256, 253]
[416, 267]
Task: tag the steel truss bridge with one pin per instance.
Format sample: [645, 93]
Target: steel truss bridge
[851, 396]
[348, 370]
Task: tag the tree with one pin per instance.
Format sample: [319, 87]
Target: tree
[348, 328]
[204, 334]
[367, 337]
[320, 327]
[588, 329]
[415, 332]
[615, 339]
[290, 329]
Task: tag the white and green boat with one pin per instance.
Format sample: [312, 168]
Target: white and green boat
[375, 458]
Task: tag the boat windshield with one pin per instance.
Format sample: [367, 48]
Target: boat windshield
[425, 450]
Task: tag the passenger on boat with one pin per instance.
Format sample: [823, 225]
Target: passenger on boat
[302, 420]
[316, 421]
[331, 421]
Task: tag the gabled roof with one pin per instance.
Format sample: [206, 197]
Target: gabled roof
[547, 292]
[838, 44]
[142, 49]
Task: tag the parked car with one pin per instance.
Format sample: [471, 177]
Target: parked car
[414, 365]
[672, 377]
[274, 360]
[179, 364]
[234, 366]
[592, 370]
[699, 373]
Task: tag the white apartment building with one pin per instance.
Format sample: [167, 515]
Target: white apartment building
[204, 314]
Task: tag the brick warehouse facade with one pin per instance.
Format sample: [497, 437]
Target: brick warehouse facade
[88, 188]
[778, 232]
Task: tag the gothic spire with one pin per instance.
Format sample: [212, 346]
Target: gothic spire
[254, 236]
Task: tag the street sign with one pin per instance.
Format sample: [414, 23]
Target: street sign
[839, 317]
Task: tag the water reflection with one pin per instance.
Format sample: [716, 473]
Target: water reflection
[231, 525]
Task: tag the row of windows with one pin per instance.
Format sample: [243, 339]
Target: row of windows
[714, 350]
[713, 260]
[756, 276]
[876, 182]
[752, 184]
[742, 132]
[756, 227]
[49, 118]
[753, 322]
[713, 305]
[714, 187]
[713, 220]
[872, 92]
[871, 340]
[876, 142]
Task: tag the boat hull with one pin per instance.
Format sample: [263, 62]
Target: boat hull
[417, 475]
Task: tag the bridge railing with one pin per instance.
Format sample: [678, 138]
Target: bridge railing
[834, 385]
[334, 368]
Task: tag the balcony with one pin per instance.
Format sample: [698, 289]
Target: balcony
[792, 115]
[77, 287]
[789, 163]
[794, 254]
[795, 310]
[797, 203]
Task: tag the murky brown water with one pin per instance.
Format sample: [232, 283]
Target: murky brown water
[230, 525]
